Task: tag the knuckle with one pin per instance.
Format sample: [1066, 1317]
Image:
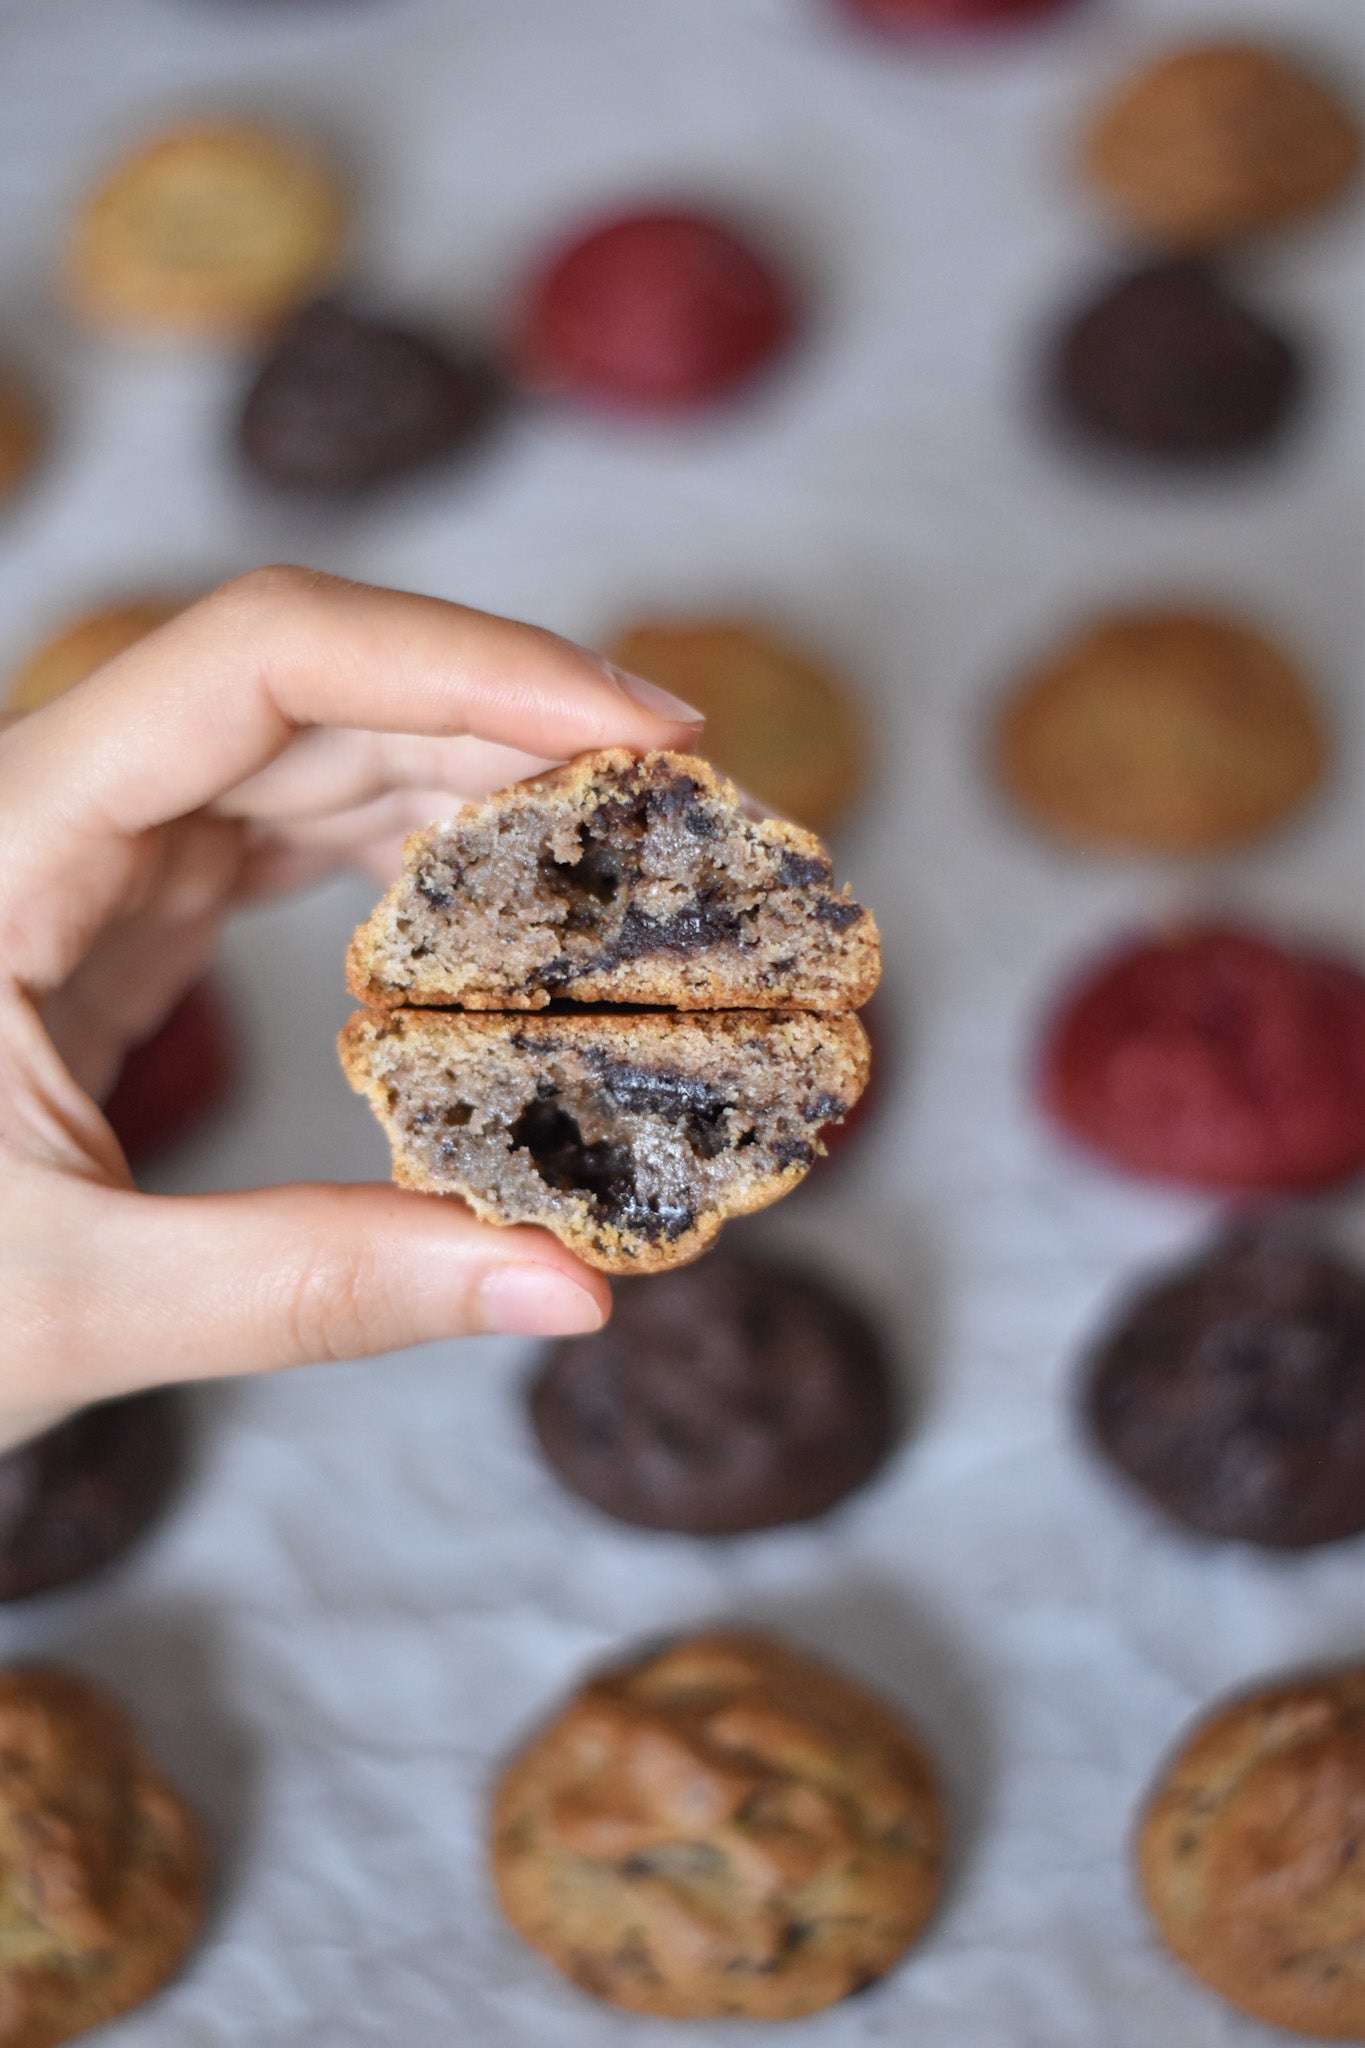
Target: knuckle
[337, 1306]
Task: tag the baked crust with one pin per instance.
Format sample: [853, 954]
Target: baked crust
[726, 1828]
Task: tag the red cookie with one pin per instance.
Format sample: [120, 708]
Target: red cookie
[935, 17]
[654, 313]
[174, 1079]
[1215, 1059]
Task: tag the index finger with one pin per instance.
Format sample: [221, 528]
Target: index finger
[213, 696]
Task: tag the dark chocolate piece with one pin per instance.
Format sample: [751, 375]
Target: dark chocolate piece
[345, 403]
[73, 1499]
[1233, 1393]
[1167, 363]
[726, 1396]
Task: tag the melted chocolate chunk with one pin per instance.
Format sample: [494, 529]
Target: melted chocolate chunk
[602, 1170]
[680, 1098]
[838, 913]
[802, 871]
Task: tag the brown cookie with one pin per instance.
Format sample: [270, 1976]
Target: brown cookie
[102, 1876]
[20, 436]
[76, 650]
[1162, 732]
[74, 1498]
[616, 880]
[631, 1137]
[1233, 1393]
[1250, 1855]
[727, 1828]
[777, 721]
[1220, 140]
[736, 1394]
[217, 229]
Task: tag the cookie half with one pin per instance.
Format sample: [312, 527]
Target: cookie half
[1217, 141]
[102, 1884]
[212, 229]
[631, 1137]
[1165, 732]
[728, 1828]
[616, 880]
[1249, 1855]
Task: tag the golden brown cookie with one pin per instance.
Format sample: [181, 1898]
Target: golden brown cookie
[1220, 140]
[1251, 1854]
[76, 650]
[214, 229]
[1162, 732]
[725, 1828]
[101, 1864]
[20, 435]
[776, 720]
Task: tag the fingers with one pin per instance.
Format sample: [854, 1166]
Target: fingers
[211, 698]
[109, 1291]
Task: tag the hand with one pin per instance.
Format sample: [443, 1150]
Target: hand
[286, 724]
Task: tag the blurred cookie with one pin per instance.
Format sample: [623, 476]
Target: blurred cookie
[730, 1395]
[74, 1498]
[20, 436]
[724, 1829]
[343, 403]
[1162, 732]
[1220, 140]
[777, 721]
[1249, 1854]
[954, 17]
[212, 229]
[175, 1079]
[1166, 363]
[1233, 1393]
[78, 649]
[1215, 1059]
[102, 1885]
[653, 313]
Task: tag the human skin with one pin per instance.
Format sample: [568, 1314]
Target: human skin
[286, 725]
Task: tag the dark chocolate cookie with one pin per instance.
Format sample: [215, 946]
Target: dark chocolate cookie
[343, 403]
[1233, 1393]
[727, 1396]
[1166, 363]
[72, 1499]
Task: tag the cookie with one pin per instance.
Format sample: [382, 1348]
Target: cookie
[20, 436]
[1220, 140]
[174, 1080]
[82, 646]
[1215, 1059]
[951, 17]
[631, 1136]
[652, 313]
[1249, 1855]
[1232, 1392]
[75, 1498]
[102, 1881]
[736, 1394]
[344, 403]
[616, 879]
[215, 229]
[1163, 733]
[727, 1828]
[1165, 363]
[777, 721]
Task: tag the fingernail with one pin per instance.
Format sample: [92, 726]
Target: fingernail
[536, 1301]
[661, 702]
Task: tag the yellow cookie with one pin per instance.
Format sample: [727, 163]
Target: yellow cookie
[1162, 732]
[210, 229]
[776, 722]
[19, 437]
[73, 653]
[1220, 140]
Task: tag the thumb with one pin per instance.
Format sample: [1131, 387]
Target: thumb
[144, 1289]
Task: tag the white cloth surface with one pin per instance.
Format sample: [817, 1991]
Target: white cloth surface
[373, 1588]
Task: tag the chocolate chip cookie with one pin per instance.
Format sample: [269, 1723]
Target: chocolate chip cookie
[726, 1828]
[733, 1395]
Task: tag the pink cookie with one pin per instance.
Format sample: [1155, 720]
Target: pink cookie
[952, 17]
